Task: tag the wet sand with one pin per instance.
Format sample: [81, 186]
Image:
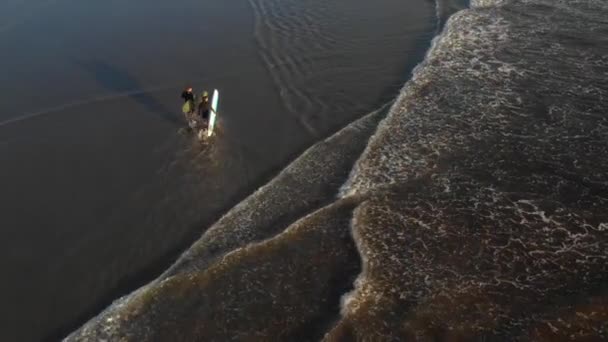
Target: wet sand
[101, 189]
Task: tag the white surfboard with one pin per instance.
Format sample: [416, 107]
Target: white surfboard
[214, 101]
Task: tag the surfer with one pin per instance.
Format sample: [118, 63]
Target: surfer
[204, 108]
[188, 107]
[187, 94]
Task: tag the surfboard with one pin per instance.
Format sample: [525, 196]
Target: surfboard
[212, 115]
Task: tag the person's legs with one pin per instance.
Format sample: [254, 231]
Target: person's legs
[192, 121]
[205, 119]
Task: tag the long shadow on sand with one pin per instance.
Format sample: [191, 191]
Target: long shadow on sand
[118, 80]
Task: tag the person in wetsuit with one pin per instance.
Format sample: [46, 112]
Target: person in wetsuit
[204, 109]
[187, 94]
[188, 107]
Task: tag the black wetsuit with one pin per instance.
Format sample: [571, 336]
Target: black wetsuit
[204, 109]
[187, 96]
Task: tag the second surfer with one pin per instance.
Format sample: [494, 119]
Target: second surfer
[204, 109]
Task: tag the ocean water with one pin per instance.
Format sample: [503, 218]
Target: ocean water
[474, 206]
[101, 188]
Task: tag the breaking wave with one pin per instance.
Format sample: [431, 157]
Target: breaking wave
[474, 207]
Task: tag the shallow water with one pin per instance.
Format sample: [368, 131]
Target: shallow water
[101, 189]
[476, 210]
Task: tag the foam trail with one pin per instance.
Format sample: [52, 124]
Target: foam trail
[76, 104]
[118, 96]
